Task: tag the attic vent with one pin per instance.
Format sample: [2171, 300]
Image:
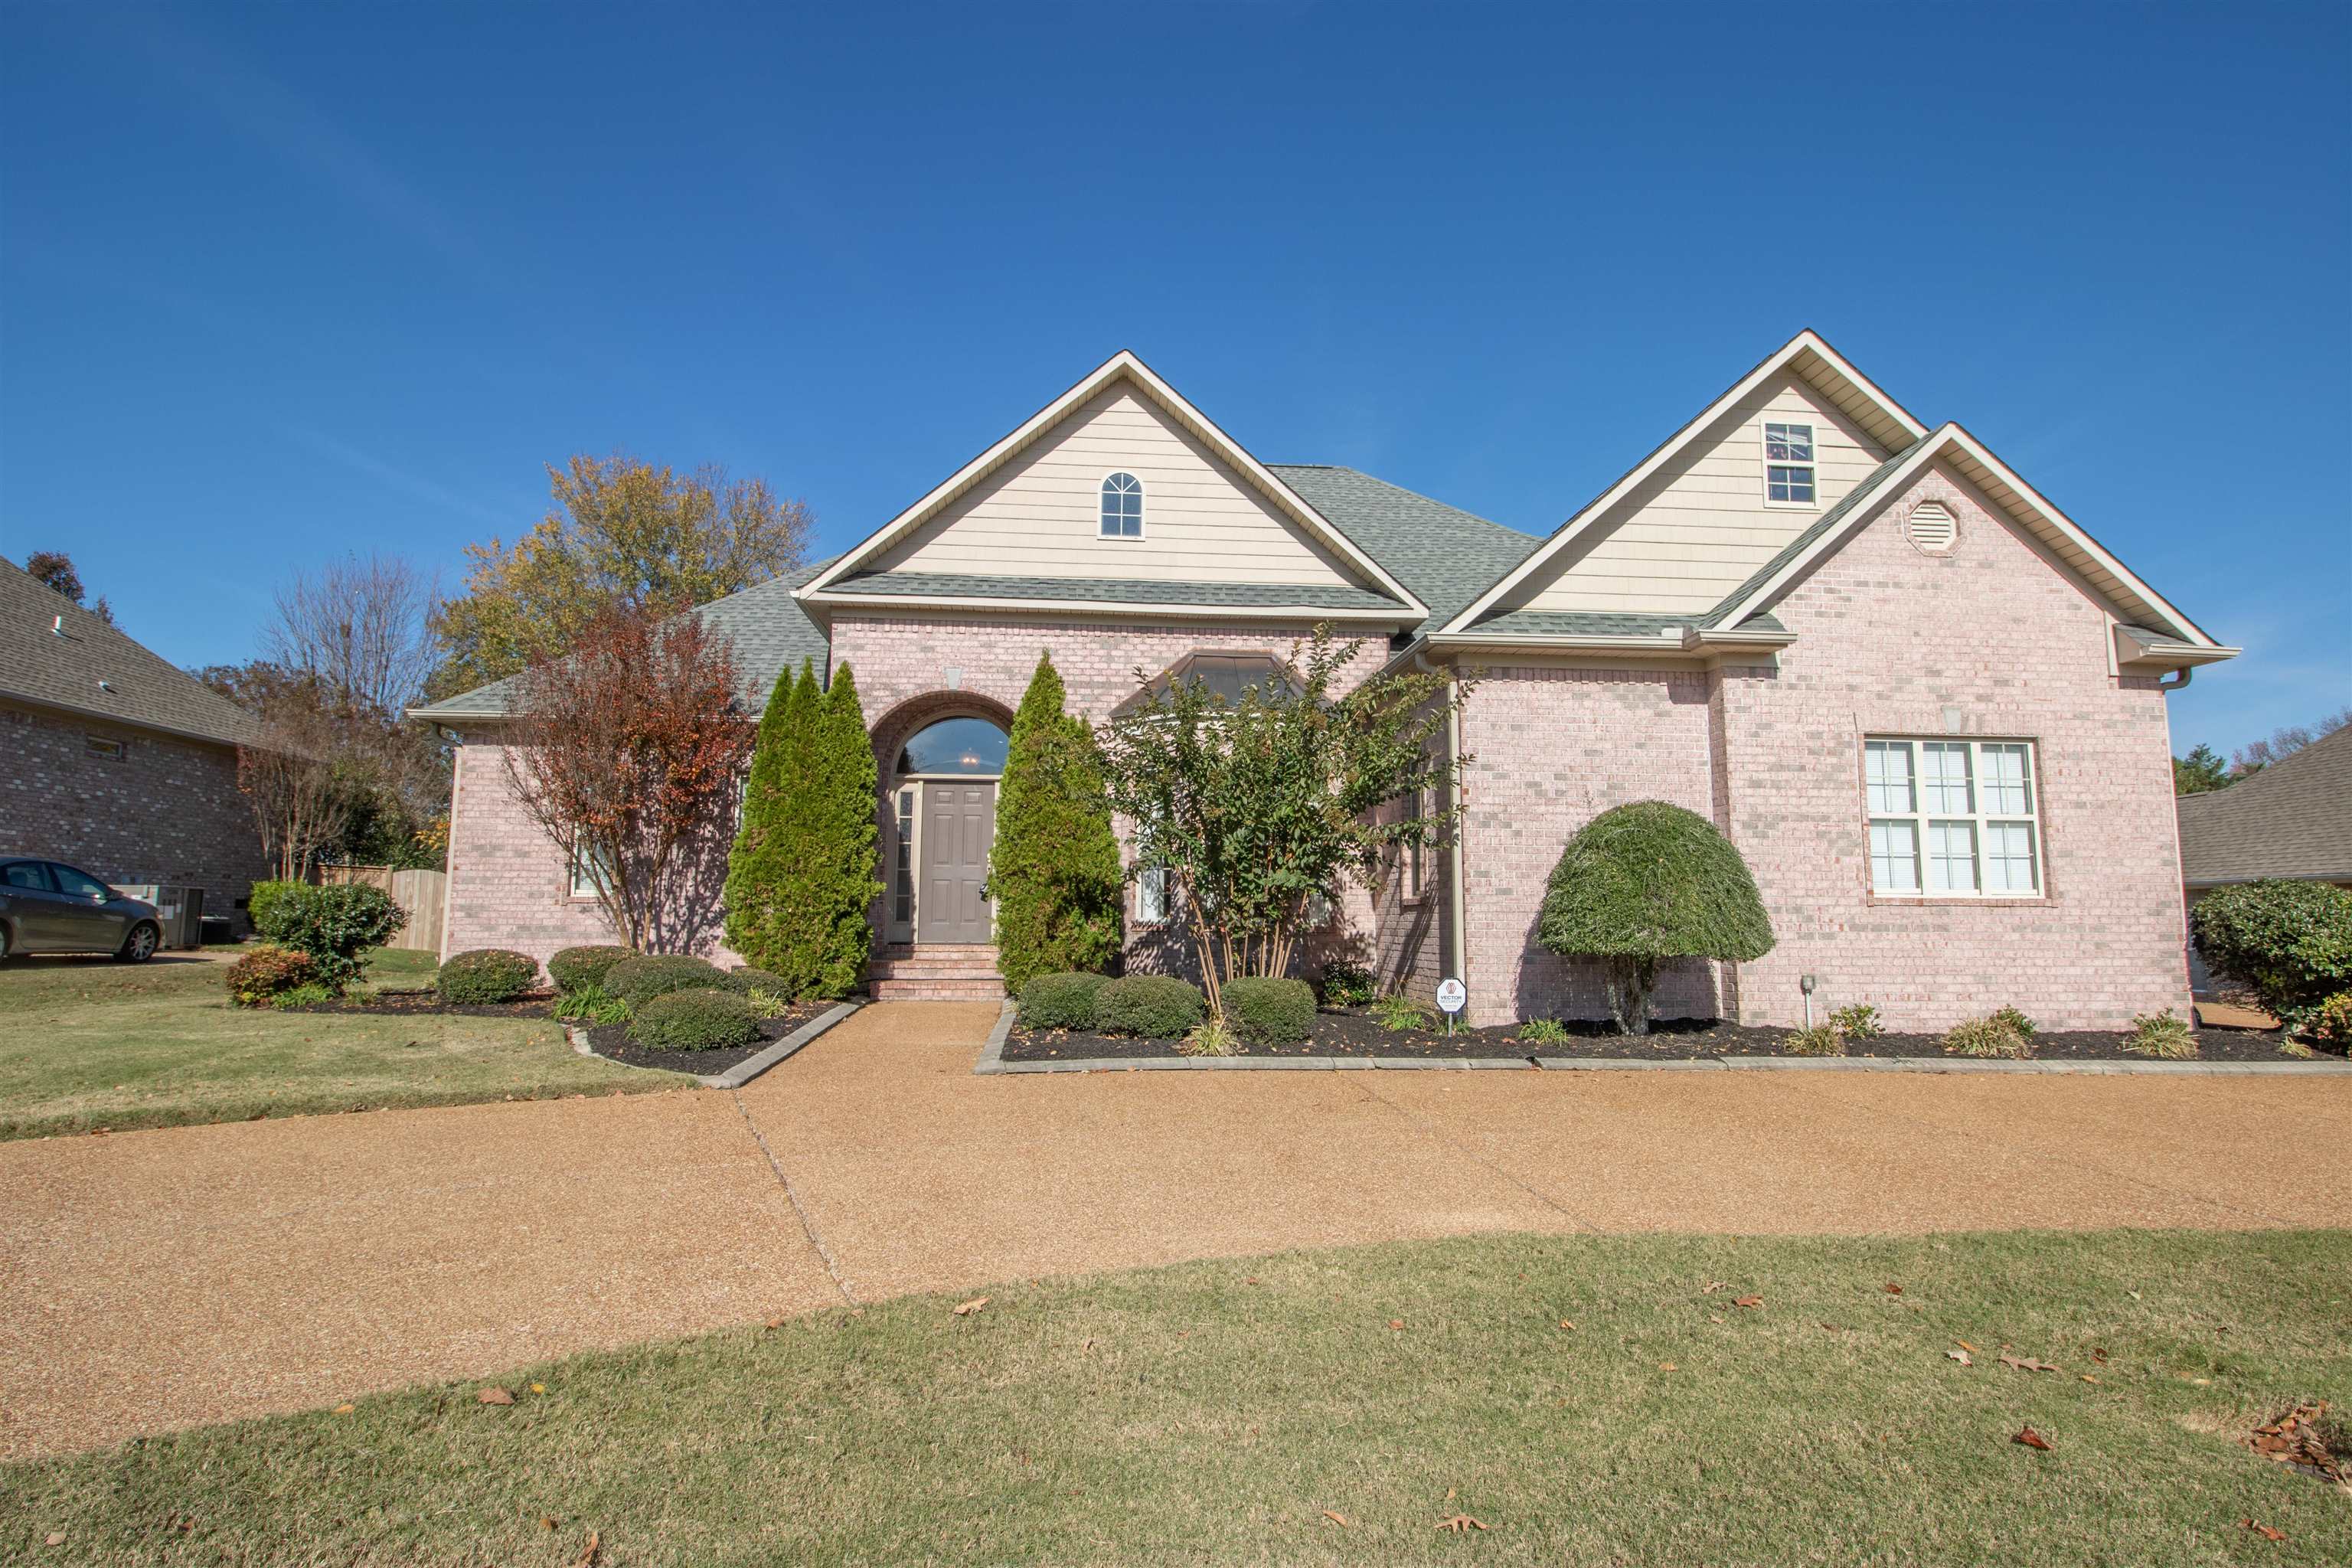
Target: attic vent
[1931, 528]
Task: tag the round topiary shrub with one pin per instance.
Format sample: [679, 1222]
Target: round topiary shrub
[2291, 942]
[1157, 1007]
[704, 1019]
[1265, 1011]
[266, 973]
[746, 980]
[635, 980]
[1642, 885]
[1061, 1001]
[485, 974]
[577, 968]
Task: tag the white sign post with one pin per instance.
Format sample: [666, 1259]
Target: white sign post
[1451, 997]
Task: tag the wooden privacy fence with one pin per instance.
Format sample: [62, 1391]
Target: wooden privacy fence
[420, 893]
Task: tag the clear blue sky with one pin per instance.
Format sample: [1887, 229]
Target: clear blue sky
[280, 280]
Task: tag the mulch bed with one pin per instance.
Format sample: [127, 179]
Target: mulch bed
[1354, 1032]
[531, 1004]
[611, 1041]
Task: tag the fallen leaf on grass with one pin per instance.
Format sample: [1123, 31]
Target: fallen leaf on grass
[2264, 1530]
[968, 1308]
[2088, 1378]
[494, 1396]
[1747, 1300]
[1339, 1519]
[56, 1537]
[2027, 1364]
[547, 1521]
[588, 1554]
[1711, 1286]
[1960, 1356]
[1964, 1345]
[1666, 1366]
[1891, 1289]
[2030, 1439]
[1396, 1323]
[776, 1322]
[345, 1409]
[539, 1388]
[1565, 1324]
[1460, 1524]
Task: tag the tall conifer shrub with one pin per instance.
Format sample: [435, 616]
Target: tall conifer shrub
[843, 848]
[1054, 874]
[771, 840]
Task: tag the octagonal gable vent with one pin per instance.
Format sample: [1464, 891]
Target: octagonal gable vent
[1932, 528]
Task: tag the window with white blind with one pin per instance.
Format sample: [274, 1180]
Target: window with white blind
[1152, 895]
[1789, 464]
[1952, 819]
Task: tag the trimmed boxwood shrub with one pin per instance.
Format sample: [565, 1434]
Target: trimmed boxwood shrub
[635, 980]
[577, 968]
[746, 980]
[1642, 885]
[485, 974]
[1157, 1007]
[2291, 942]
[1265, 1011]
[267, 972]
[333, 925]
[1061, 1001]
[703, 1019]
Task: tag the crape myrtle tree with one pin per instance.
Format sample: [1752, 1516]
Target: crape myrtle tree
[1255, 807]
[1054, 873]
[1643, 885]
[626, 753]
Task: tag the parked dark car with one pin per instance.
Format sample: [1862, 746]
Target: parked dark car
[46, 907]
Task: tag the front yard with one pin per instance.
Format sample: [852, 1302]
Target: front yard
[90, 1044]
[1661, 1399]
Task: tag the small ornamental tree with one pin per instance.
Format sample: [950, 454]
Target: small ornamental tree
[626, 752]
[1643, 884]
[1054, 873]
[761, 865]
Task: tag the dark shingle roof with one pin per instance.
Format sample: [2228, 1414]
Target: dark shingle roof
[2292, 819]
[138, 687]
[770, 630]
[1119, 591]
[1446, 556]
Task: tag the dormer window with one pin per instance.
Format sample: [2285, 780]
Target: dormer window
[1789, 464]
[1122, 506]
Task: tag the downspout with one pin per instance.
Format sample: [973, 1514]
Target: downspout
[1457, 943]
[2185, 671]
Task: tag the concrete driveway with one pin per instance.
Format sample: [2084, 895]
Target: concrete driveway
[160, 1279]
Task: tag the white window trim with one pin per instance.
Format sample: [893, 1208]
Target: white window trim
[1812, 429]
[1977, 816]
[1143, 507]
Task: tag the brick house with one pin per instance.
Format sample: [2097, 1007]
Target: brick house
[1926, 706]
[116, 761]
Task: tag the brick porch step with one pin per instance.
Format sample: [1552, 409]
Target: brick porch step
[931, 973]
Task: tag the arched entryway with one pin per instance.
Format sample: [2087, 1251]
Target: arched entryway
[941, 759]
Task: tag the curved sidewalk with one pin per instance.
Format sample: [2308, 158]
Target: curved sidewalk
[159, 1279]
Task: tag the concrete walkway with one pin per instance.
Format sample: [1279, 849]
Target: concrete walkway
[150, 1281]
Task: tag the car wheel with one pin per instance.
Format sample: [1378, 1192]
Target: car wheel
[140, 945]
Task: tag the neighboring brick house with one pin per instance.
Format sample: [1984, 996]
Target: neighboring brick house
[1926, 705]
[116, 761]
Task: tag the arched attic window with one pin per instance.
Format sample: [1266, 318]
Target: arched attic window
[1122, 506]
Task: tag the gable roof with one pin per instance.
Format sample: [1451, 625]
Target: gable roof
[1121, 366]
[769, 631]
[2292, 819]
[1807, 354]
[58, 654]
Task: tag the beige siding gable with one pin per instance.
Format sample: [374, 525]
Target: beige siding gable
[1701, 526]
[1038, 516]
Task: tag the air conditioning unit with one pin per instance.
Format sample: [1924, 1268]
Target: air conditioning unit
[179, 908]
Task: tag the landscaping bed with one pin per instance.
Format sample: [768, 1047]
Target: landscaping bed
[612, 1042]
[1354, 1032]
[531, 1004]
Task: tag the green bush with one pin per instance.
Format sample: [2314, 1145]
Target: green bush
[583, 968]
[333, 925]
[590, 1004]
[2291, 942]
[1821, 1040]
[2330, 1025]
[1857, 1022]
[694, 1020]
[1347, 985]
[307, 996]
[639, 980]
[1992, 1036]
[1399, 1014]
[1543, 1032]
[269, 971]
[747, 979]
[1157, 1007]
[263, 899]
[1061, 1001]
[1053, 872]
[1265, 1011]
[2012, 1019]
[2163, 1035]
[485, 974]
[1642, 885]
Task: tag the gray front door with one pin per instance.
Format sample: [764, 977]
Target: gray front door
[959, 826]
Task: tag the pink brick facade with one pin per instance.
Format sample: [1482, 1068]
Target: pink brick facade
[164, 810]
[1990, 641]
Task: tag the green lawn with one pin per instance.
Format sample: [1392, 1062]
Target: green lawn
[88, 1044]
[1211, 1413]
